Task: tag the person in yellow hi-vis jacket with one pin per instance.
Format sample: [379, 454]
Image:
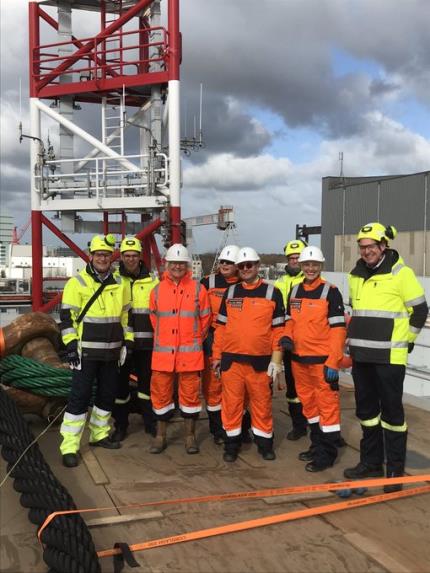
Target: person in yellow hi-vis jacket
[140, 282]
[293, 275]
[95, 328]
[388, 311]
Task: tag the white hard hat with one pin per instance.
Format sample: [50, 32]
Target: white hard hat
[311, 254]
[247, 254]
[229, 253]
[177, 253]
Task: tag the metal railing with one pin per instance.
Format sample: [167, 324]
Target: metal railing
[104, 177]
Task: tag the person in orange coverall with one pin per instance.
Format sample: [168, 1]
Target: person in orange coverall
[246, 352]
[180, 315]
[315, 335]
[216, 284]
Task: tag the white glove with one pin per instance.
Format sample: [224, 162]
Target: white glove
[122, 355]
[274, 370]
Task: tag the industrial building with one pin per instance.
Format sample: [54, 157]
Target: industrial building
[400, 200]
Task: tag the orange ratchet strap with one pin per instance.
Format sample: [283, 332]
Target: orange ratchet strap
[263, 521]
[273, 492]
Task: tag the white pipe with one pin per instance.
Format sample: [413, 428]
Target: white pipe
[86, 136]
[166, 112]
[35, 149]
[174, 143]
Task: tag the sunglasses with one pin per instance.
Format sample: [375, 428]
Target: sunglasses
[225, 262]
[242, 266]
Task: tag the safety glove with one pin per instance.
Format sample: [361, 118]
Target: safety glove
[410, 347]
[126, 352]
[331, 376]
[286, 344]
[275, 368]
[73, 357]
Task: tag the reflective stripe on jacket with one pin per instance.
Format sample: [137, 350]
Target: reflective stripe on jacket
[107, 322]
[140, 290]
[315, 322]
[216, 285]
[180, 315]
[388, 311]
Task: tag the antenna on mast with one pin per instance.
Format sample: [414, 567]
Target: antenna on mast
[194, 143]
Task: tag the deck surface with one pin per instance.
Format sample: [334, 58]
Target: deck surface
[389, 537]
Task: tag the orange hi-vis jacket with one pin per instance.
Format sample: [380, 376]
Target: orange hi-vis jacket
[315, 322]
[250, 324]
[216, 285]
[180, 315]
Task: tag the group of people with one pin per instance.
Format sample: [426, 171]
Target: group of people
[230, 337]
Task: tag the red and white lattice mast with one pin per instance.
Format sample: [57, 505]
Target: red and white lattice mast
[127, 74]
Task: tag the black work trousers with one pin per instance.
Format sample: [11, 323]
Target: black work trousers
[94, 375]
[294, 405]
[139, 363]
[378, 393]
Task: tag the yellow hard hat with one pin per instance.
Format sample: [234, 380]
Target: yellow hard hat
[101, 243]
[377, 231]
[294, 247]
[130, 244]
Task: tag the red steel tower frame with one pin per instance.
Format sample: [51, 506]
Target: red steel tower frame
[132, 63]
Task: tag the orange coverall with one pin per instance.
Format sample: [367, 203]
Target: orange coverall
[180, 315]
[250, 323]
[315, 322]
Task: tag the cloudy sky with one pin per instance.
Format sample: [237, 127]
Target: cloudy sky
[288, 84]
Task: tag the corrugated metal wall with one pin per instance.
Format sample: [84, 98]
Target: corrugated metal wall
[402, 201]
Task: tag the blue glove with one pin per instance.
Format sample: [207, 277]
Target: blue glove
[331, 376]
[286, 344]
[72, 354]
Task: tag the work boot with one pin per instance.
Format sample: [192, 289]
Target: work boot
[296, 433]
[362, 470]
[119, 435]
[231, 448]
[149, 421]
[307, 455]
[215, 426]
[340, 442]
[190, 436]
[106, 443]
[394, 487]
[70, 460]
[313, 466]
[160, 441]
[268, 455]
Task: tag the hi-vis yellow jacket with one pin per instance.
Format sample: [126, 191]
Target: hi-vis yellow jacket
[140, 288]
[286, 282]
[388, 311]
[106, 325]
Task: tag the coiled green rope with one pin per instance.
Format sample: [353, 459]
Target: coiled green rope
[42, 379]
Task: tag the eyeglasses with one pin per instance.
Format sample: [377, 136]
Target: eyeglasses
[371, 247]
[225, 262]
[247, 265]
[102, 255]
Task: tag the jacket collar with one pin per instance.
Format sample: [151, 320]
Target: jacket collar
[392, 257]
[142, 274]
[109, 279]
